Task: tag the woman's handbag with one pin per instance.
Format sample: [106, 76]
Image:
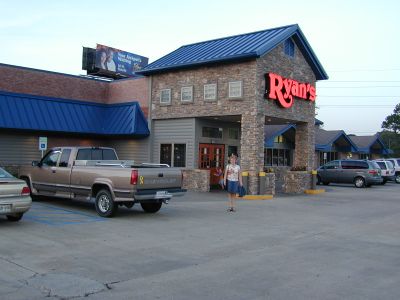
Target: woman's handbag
[241, 191]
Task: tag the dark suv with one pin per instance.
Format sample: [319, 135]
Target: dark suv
[359, 172]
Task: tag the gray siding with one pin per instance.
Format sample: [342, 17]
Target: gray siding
[21, 149]
[137, 150]
[179, 131]
[18, 149]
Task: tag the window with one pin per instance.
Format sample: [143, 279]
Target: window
[165, 96]
[179, 155]
[51, 158]
[279, 139]
[175, 159]
[233, 133]
[187, 94]
[165, 154]
[353, 164]
[64, 158]
[210, 91]
[232, 150]
[325, 157]
[96, 154]
[212, 132]
[289, 47]
[277, 157]
[364, 156]
[381, 165]
[235, 89]
[332, 165]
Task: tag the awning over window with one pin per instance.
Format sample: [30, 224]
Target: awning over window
[29, 112]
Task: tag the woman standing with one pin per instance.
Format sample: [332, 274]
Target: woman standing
[234, 177]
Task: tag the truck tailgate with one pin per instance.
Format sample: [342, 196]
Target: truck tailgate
[159, 178]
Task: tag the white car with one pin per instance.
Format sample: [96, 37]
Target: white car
[396, 163]
[15, 197]
[387, 168]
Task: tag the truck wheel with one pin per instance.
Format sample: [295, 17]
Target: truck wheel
[15, 217]
[151, 207]
[105, 205]
[397, 178]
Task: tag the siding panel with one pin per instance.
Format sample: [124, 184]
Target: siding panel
[179, 131]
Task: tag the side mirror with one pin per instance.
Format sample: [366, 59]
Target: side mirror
[35, 163]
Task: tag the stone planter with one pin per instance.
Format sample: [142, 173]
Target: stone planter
[196, 180]
[296, 182]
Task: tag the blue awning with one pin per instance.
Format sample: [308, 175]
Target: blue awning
[29, 112]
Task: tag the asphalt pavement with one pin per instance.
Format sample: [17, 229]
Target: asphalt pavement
[343, 244]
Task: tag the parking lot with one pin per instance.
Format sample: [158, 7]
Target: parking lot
[343, 244]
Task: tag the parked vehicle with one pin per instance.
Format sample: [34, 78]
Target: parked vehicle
[85, 173]
[387, 168]
[15, 199]
[396, 163]
[362, 173]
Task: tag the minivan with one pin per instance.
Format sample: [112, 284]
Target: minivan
[362, 173]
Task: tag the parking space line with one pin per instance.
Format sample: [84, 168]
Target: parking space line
[56, 216]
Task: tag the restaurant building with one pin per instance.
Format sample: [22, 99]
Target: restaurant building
[191, 108]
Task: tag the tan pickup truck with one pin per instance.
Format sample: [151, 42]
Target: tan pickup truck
[86, 173]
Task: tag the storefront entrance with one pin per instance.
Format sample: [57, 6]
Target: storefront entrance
[211, 156]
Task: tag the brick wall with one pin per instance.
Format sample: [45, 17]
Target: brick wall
[37, 82]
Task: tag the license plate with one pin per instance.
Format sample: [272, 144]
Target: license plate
[5, 208]
[161, 193]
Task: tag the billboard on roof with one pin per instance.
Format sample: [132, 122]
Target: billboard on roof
[118, 61]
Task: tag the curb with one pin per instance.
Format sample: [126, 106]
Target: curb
[257, 197]
[314, 192]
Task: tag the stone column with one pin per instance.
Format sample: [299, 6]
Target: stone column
[252, 148]
[305, 145]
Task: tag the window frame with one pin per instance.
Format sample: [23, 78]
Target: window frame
[172, 153]
[215, 90]
[191, 94]
[230, 83]
[169, 98]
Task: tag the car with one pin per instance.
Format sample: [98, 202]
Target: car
[15, 199]
[387, 168]
[396, 163]
[362, 173]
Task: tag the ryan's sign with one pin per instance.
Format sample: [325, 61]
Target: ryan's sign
[284, 90]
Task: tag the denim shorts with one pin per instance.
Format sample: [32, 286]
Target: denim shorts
[233, 186]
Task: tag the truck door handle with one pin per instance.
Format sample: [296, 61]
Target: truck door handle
[53, 171]
[160, 175]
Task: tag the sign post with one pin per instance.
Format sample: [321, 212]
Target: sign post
[43, 144]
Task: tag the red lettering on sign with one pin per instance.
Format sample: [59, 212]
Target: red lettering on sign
[284, 90]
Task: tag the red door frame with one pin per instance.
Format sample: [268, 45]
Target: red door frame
[211, 158]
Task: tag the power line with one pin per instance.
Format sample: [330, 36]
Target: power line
[358, 87]
[351, 96]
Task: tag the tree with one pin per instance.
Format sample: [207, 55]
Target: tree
[392, 122]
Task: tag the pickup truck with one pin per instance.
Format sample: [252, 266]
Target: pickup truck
[87, 173]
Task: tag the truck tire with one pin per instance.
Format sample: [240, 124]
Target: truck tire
[151, 207]
[397, 178]
[105, 205]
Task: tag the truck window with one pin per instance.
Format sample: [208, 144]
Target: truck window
[381, 164]
[97, 154]
[64, 158]
[84, 154]
[109, 154]
[51, 158]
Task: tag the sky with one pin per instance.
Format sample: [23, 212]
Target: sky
[357, 42]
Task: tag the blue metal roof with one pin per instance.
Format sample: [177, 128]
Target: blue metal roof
[234, 48]
[29, 112]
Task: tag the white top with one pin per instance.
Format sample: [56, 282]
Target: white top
[233, 172]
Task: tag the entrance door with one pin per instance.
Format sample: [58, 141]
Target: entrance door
[211, 156]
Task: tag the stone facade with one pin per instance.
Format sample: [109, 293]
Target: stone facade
[196, 180]
[252, 109]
